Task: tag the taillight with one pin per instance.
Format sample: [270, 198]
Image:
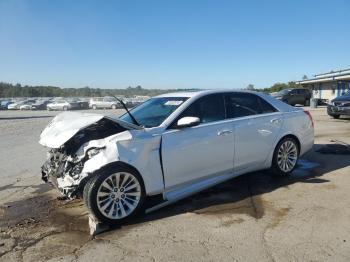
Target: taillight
[310, 116]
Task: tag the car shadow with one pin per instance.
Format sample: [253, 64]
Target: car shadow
[242, 195]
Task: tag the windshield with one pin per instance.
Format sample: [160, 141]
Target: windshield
[154, 111]
[283, 92]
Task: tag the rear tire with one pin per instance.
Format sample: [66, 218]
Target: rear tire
[285, 157]
[115, 195]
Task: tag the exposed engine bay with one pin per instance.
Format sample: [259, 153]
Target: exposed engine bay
[64, 165]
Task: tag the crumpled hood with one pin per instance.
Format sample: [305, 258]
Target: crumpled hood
[65, 125]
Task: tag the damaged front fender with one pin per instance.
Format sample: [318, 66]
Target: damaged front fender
[138, 150]
[89, 146]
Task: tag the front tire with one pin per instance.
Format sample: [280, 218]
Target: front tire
[285, 157]
[335, 116]
[115, 195]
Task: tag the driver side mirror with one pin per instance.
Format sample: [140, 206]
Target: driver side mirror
[188, 121]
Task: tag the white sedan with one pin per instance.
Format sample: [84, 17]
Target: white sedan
[172, 145]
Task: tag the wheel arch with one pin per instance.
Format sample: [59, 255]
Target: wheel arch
[110, 165]
[268, 162]
[93, 183]
[290, 136]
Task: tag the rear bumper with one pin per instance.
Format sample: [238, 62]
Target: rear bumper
[306, 142]
[337, 110]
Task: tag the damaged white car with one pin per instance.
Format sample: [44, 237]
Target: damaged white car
[172, 145]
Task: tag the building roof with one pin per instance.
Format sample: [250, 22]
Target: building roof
[339, 75]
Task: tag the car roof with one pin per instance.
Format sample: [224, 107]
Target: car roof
[205, 92]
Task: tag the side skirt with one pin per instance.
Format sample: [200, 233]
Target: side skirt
[175, 195]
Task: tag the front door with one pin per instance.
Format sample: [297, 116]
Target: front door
[194, 153]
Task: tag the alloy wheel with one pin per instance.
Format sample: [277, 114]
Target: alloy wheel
[118, 195]
[287, 156]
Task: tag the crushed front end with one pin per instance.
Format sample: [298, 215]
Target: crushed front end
[84, 140]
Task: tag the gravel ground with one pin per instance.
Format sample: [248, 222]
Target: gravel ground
[255, 217]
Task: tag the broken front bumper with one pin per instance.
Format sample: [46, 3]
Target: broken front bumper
[64, 183]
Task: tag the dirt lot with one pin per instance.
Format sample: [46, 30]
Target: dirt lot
[255, 217]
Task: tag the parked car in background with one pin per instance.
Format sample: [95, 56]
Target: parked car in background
[27, 105]
[83, 104]
[294, 96]
[63, 104]
[16, 105]
[104, 102]
[40, 105]
[4, 104]
[339, 106]
[173, 145]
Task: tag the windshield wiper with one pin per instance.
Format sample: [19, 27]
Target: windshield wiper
[127, 110]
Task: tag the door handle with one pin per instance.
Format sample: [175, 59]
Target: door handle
[224, 132]
[275, 120]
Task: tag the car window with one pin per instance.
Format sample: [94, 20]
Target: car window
[154, 111]
[208, 109]
[240, 105]
[265, 107]
[108, 99]
[283, 92]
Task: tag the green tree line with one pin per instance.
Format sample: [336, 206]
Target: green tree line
[275, 87]
[17, 90]
[10, 90]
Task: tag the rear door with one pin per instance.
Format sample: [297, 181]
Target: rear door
[194, 153]
[256, 127]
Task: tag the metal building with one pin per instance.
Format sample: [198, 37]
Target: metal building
[327, 86]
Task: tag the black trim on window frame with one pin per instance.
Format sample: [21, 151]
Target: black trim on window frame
[223, 94]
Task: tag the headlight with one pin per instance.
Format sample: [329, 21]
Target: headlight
[94, 151]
